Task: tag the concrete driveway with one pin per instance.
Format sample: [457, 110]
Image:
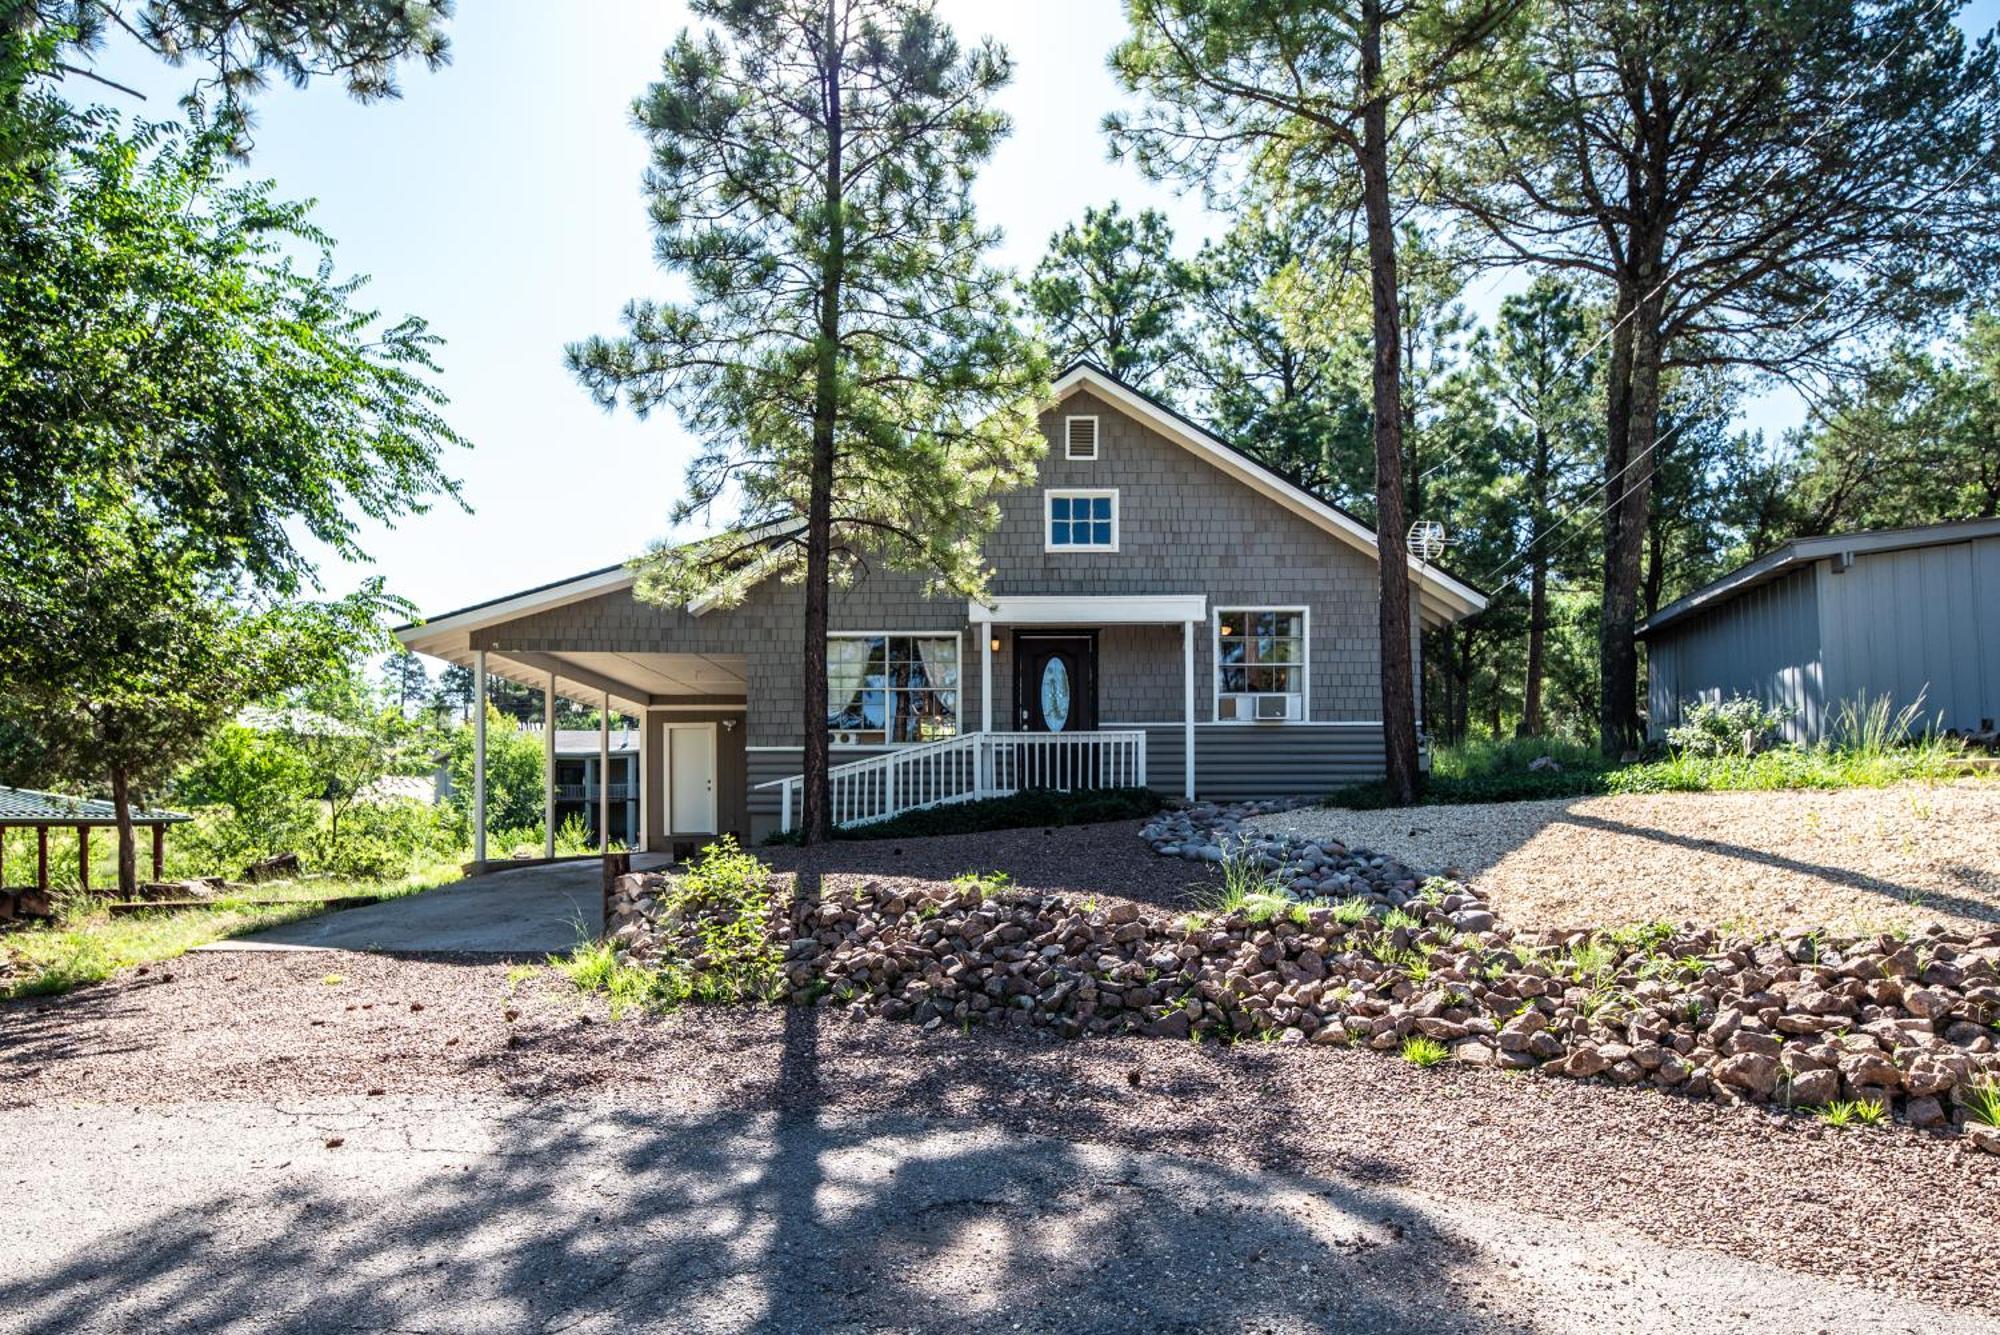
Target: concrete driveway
[530, 911]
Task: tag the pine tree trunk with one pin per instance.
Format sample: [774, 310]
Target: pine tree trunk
[1538, 595]
[1399, 721]
[816, 816]
[1628, 495]
[128, 853]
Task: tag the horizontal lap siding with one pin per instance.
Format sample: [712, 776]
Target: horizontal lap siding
[1241, 762]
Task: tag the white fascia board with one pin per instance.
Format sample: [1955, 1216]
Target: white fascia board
[520, 605]
[1461, 599]
[1090, 610]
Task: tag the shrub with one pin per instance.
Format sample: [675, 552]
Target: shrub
[387, 839]
[1023, 810]
[1736, 726]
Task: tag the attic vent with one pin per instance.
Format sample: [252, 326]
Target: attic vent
[1080, 439]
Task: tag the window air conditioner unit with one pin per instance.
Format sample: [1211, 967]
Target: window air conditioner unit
[1274, 707]
[1258, 708]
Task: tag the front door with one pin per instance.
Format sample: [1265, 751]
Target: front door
[1055, 694]
[1055, 682]
[691, 778]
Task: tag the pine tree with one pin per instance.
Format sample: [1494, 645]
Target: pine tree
[859, 387]
[1110, 290]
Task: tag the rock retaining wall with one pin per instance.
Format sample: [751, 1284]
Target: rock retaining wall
[1801, 1020]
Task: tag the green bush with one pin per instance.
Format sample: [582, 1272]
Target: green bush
[1525, 786]
[1024, 810]
[387, 839]
[1713, 728]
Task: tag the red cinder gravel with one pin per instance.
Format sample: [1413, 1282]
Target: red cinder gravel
[1903, 1210]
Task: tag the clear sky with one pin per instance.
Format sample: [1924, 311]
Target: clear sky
[499, 199]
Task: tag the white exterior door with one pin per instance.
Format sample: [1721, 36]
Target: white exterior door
[691, 778]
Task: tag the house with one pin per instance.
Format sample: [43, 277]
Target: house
[1163, 609]
[577, 780]
[1910, 613]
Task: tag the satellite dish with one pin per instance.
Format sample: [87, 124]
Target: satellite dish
[1427, 540]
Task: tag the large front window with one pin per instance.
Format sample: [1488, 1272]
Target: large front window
[891, 688]
[1260, 663]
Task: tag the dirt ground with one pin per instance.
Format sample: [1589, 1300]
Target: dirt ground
[1852, 859]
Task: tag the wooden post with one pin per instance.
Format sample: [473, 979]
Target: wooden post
[159, 851]
[42, 858]
[83, 857]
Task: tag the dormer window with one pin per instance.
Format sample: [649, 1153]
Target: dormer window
[1081, 521]
[1079, 437]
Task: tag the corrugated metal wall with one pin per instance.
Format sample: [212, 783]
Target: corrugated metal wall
[1764, 643]
[1923, 622]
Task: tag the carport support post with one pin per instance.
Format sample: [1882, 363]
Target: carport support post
[1187, 710]
[479, 756]
[604, 776]
[549, 767]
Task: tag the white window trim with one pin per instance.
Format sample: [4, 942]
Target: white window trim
[1215, 665]
[1096, 441]
[956, 636]
[1049, 544]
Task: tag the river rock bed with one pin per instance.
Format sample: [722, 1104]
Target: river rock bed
[1795, 1021]
[1305, 869]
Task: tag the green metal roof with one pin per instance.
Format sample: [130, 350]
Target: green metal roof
[25, 806]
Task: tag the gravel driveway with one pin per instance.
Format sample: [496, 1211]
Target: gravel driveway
[527, 1163]
[1853, 859]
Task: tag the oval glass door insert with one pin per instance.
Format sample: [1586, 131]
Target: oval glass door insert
[1055, 695]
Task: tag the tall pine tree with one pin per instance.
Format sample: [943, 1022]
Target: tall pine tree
[859, 387]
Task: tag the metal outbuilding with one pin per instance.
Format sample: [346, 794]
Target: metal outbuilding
[1908, 613]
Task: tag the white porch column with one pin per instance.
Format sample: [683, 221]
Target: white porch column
[549, 767]
[479, 755]
[604, 776]
[986, 677]
[639, 829]
[1187, 710]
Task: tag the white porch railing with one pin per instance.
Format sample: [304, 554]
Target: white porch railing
[969, 767]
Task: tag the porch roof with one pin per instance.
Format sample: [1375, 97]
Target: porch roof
[1113, 609]
[27, 806]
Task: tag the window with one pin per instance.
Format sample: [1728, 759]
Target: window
[1082, 521]
[885, 689]
[1260, 664]
[1079, 437]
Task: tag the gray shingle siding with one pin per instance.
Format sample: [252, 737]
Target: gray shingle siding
[1185, 527]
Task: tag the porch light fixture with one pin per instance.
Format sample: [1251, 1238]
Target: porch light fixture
[995, 644]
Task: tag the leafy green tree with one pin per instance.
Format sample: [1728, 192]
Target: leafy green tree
[180, 406]
[1319, 103]
[1758, 186]
[860, 389]
[1109, 289]
[514, 774]
[261, 784]
[132, 658]
[347, 741]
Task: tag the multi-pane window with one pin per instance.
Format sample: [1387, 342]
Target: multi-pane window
[1260, 652]
[891, 688]
[1082, 521]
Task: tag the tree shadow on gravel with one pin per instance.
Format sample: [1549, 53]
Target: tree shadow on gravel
[774, 1223]
[40, 1031]
[1982, 909]
[780, 1212]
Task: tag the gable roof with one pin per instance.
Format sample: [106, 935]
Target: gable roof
[1804, 551]
[1443, 596]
